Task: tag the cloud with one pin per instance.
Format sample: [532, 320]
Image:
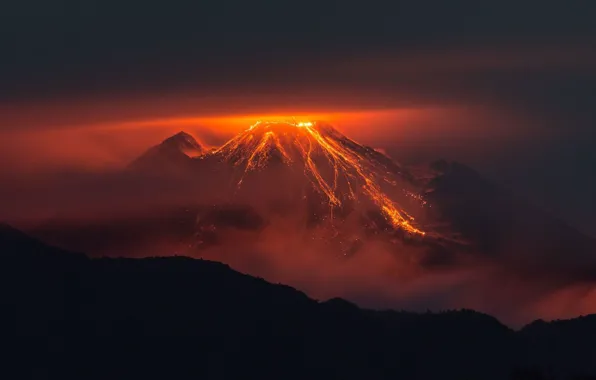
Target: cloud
[380, 276]
[102, 208]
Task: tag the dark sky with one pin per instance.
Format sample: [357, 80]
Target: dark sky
[535, 60]
[55, 48]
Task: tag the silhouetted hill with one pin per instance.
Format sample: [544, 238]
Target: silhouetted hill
[66, 316]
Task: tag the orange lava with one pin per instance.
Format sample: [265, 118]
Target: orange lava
[253, 148]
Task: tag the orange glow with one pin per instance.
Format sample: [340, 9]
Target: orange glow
[109, 136]
[114, 143]
[237, 123]
[299, 141]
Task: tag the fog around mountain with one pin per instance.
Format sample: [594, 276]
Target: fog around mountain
[484, 249]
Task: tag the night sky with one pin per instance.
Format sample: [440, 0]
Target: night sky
[507, 87]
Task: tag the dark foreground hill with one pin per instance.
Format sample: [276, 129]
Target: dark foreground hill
[65, 316]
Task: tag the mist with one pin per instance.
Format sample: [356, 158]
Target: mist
[123, 214]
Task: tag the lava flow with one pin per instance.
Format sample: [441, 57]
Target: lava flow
[316, 147]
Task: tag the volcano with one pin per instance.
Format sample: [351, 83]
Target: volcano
[307, 181]
[303, 177]
[344, 175]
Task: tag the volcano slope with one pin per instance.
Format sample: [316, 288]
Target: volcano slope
[341, 171]
[309, 176]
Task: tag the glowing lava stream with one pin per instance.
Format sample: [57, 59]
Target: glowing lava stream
[244, 149]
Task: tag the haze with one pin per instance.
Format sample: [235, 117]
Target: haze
[507, 88]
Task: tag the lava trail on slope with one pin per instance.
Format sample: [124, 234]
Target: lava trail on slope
[339, 169]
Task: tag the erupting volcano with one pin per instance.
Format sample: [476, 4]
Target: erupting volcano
[302, 180]
[340, 170]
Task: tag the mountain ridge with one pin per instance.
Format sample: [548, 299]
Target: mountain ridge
[15, 243]
[112, 315]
